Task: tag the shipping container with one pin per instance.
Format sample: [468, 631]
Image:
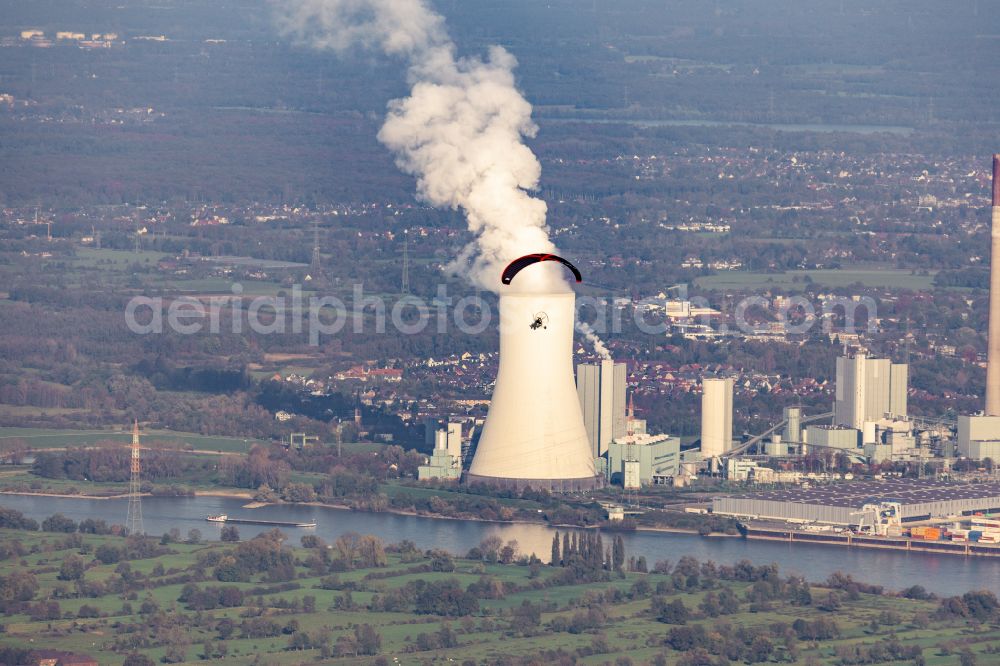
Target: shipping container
[986, 523]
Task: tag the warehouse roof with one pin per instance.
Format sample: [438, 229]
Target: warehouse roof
[859, 493]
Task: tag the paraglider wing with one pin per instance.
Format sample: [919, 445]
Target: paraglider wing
[514, 267]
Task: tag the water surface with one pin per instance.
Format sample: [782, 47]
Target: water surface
[942, 574]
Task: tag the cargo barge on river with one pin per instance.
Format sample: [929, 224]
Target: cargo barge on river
[223, 518]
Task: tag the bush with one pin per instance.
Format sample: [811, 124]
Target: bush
[58, 523]
[108, 553]
[15, 520]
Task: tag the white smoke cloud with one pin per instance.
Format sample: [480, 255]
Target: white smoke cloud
[460, 132]
[595, 341]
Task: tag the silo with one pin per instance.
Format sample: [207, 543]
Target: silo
[776, 447]
[793, 424]
[716, 416]
[534, 434]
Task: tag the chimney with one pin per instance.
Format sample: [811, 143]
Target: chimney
[993, 335]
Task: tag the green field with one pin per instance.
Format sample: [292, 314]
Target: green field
[583, 612]
[41, 438]
[796, 280]
[87, 257]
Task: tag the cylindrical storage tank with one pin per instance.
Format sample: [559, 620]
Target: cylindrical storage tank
[534, 434]
[716, 416]
[775, 446]
[869, 432]
[793, 425]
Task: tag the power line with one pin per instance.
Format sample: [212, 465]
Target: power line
[133, 520]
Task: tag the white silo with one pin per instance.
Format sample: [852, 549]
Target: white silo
[716, 416]
[534, 434]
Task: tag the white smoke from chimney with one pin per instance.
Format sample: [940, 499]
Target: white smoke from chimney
[589, 333]
[460, 132]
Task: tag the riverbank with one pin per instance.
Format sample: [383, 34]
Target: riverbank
[892, 569]
[253, 504]
[874, 542]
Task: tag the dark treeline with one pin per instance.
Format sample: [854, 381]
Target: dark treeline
[111, 462]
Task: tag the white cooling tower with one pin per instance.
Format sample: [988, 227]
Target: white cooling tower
[534, 434]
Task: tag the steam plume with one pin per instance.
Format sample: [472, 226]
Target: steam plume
[460, 132]
[591, 336]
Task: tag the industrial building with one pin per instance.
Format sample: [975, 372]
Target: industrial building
[869, 389]
[641, 460]
[534, 435]
[833, 437]
[446, 458]
[842, 504]
[792, 434]
[979, 437]
[601, 390]
[716, 416]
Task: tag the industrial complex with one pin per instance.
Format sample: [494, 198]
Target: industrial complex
[845, 503]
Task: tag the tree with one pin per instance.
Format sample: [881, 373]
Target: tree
[508, 552]
[618, 552]
[71, 568]
[194, 535]
[555, 560]
[760, 650]
[490, 548]
[17, 586]
[347, 545]
[230, 533]
[674, 612]
[58, 523]
[108, 553]
[368, 641]
[138, 659]
[371, 551]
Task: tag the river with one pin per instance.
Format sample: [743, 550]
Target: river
[942, 574]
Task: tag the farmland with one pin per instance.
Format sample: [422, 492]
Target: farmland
[41, 438]
[798, 280]
[177, 599]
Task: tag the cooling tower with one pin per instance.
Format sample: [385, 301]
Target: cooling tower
[993, 335]
[534, 435]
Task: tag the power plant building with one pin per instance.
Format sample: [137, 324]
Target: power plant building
[643, 460]
[869, 389]
[716, 416]
[842, 504]
[534, 435]
[446, 459]
[833, 437]
[979, 437]
[601, 390]
[792, 432]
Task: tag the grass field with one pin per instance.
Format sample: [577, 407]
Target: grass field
[41, 438]
[796, 280]
[112, 606]
[87, 257]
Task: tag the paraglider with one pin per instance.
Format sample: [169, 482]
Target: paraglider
[515, 267]
[541, 321]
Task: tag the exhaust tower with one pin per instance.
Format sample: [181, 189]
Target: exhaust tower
[534, 436]
[993, 334]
